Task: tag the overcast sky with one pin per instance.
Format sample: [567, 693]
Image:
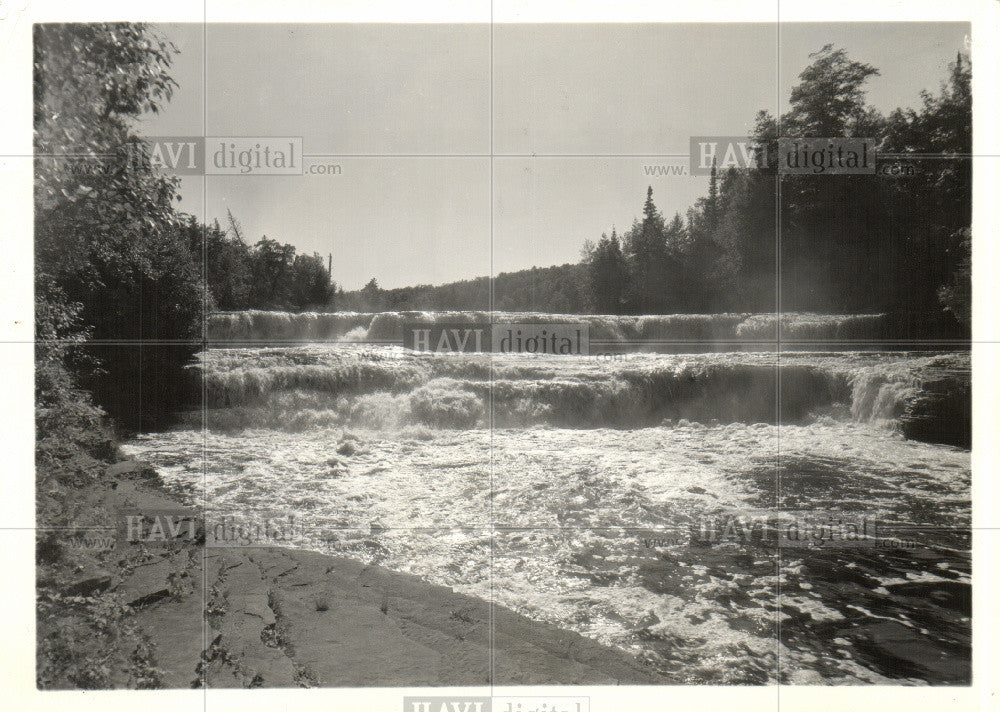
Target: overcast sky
[555, 89]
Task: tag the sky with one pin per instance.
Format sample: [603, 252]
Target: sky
[571, 115]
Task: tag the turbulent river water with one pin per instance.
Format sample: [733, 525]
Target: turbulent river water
[634, 498]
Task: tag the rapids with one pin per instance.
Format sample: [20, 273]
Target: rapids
[570, 488]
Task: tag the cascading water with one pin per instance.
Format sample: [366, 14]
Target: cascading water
[561, 486]
[271, 387]
[707, 329]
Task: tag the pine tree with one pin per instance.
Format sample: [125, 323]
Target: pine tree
[653, 270]
[712, 204]
[608, 275]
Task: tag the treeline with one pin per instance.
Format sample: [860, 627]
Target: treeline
[845, 243]
[266, 275]
[558, 289]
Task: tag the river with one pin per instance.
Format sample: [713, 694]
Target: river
[635, 497]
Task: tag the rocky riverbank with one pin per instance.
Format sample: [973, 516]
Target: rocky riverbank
[185, 615]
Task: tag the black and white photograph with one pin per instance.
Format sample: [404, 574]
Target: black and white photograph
[432, 356]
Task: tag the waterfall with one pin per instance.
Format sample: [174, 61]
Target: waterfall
[283, 326]
[723, 331]
[317, 385]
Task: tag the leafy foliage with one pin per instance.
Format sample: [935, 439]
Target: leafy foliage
[112, 252]
[107, 240]
[268, 275]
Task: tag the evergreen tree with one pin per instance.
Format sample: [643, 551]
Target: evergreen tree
[652, 268]
[608, 275]
[711, 209]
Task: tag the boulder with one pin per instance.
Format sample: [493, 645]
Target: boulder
[92, 583]
[131, 469]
